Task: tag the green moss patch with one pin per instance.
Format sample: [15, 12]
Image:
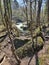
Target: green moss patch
[43, 60]
[25, 50]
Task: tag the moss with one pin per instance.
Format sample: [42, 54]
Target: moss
[2, 27]
[47, 51]
[42, 60]
[15, 31]
[19, 52]
[24, 50]
[40, 40]
[36, 31]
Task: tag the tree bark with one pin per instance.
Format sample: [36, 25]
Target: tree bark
[38, 12]
[31, 22]
[9, 31]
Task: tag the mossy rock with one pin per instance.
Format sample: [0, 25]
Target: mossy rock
[38, 44]
[24, 50]
[37, 31]
[39, 41]
[19, 52]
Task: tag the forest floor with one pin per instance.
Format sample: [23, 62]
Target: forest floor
[42, 57]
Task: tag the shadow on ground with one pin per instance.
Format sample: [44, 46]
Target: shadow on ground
[19, 43]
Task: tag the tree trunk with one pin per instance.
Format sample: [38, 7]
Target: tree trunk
[9, 31]
[31, 22]
[38, 12]
[48, 10]
[2, 14]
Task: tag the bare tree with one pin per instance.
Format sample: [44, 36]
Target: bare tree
[9, 30]
[48, 10]
[1, 13]
[26, 9]
[31, 22]
[38, 12]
